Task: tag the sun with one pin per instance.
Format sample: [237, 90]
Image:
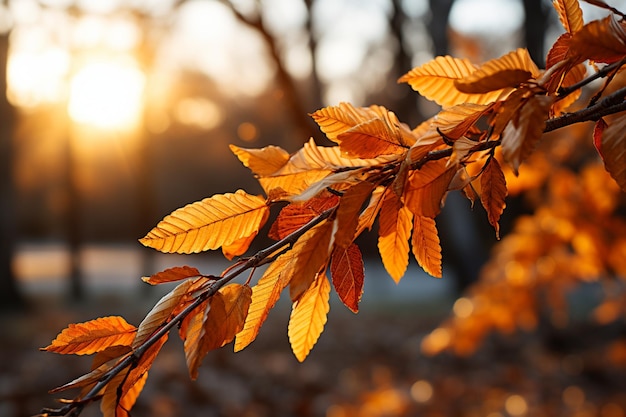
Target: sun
[107, 94]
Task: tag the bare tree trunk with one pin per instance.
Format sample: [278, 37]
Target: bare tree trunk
[438, 25]
[10, 297]
[535, 26]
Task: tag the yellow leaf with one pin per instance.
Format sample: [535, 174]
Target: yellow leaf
[394, 231]
[335, 120]
[426, 188]
[308, 317]
[209, 224]
[570, 14]
[161, 312]
[265, 294]
[312, 252]
[93, 336]
[613, 151]
[368, 216]
[436, 79]
[425, 244]
[493, 192]
[500, 74]
[264, 161]
[238, 247]
[522, 133]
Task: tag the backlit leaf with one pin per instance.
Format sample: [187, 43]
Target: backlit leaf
[238, 247]
[455, 121]
[265, 294]
[312, 253]
[335, 120]
[426, 188]
[500, 74]
[209, 224]
[308, 317]
[522, 133]
[296, 215]
[161, 312]
[613, 151]
[191, 332]
[600, 41]
[93, 336]
[349, 211]
[368, 216]
[493, 192]
[370, 140]
[264, 161]
[176, 273]
[570, 14]
[348, 275]
[395, 223]
[436, 79]
[425, 245]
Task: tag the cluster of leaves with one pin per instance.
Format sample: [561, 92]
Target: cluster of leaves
[492, 116]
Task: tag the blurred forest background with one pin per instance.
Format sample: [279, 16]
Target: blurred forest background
[118, 112]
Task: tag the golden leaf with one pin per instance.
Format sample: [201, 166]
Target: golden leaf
[335, 120]
[347, 272]
[176, 273]
[395, 222]
[425, 245]
[426, 187]
[500, 74]
[493, 192]
[522, 133]
[368, 216]
[312, 252]
[265, 294]
[570, 14]
[436, 79]
[264, 161]
[161, 312]
[209, 224]
[308, 317]
[238, 247]
[371, 139]
[349, 211]
[93, 336]
[613, 151]
[455, 121]
[600, 41]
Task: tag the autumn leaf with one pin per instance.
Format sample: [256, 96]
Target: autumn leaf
[425, 245]
[238, 247]
[191, 332]
[312, 253]
[426, 188]
[493, 192]
[600, 41]
[395, 222]
[371, 139]
[93, 336]
[112, 405]
[455, 121]
[349, 211]
[295, 215]
[613, 151]
[522, 133]
[209, 224]
[348, 275]
[436, 79]
[308, 317]
[161, 312]
[264, 161]
[500, 74]
[570, 14]
[265, 294]
[335, 120]
[368, 216]
[176, 273]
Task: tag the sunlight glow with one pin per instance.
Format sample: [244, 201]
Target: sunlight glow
[107, 94]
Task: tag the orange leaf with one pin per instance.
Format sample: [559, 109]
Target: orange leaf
[570, 14]
[436, 79]
[264, 161]
[522, 133]
[455, 121]
[348, 212]
[426, 188]
[265, 294]
[371, 140]
[93, 336]
[209, 224]
[308, 317]
[190, 332]
[425, 244]
[600, 41]
[493, 192]
[335, 120]
[613, 151]
[312, 252]
[368, 216]
[394, 231]
[296, 215]
[176, 273]
[347, 271]
[161, 312]
[238, 247]
[500, 74]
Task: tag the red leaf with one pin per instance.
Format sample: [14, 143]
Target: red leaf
[347, 271]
